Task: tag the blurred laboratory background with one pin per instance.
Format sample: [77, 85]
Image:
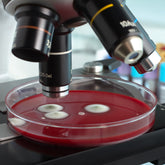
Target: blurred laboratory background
[86, 46]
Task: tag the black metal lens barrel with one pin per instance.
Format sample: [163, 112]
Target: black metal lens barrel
[149, 45]
[55, 73]
[34, 32]
[113, 26]
[150, 58]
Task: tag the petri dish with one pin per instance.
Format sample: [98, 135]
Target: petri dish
[98, 111]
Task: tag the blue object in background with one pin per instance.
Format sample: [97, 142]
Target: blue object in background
[162, 73]
[124, 71]
[135, 74]
[161, 84]
[114, 71]
[136, 77]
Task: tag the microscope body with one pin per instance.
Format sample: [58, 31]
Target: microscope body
[64, 7]
[43, 34]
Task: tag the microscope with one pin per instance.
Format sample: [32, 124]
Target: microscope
[43, 34]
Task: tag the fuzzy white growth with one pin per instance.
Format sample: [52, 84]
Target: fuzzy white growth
[56, 115]
[50, 108]
[16, 121]
[97, 108]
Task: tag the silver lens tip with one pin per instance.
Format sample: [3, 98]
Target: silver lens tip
[148, 64]
[55, 92]
[129, 50]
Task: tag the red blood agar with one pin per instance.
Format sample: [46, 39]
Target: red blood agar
[126, 119]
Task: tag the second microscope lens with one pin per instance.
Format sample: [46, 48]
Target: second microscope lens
[150, 58]
[55, 73]
[34, 32]
[114, 28]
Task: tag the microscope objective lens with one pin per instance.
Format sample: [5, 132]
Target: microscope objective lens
[134, 56]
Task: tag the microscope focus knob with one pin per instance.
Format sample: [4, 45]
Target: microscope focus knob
[93, 67]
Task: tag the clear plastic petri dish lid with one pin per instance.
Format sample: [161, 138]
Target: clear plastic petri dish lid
[98, 110]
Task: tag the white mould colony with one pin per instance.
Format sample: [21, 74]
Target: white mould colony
[54, 111]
